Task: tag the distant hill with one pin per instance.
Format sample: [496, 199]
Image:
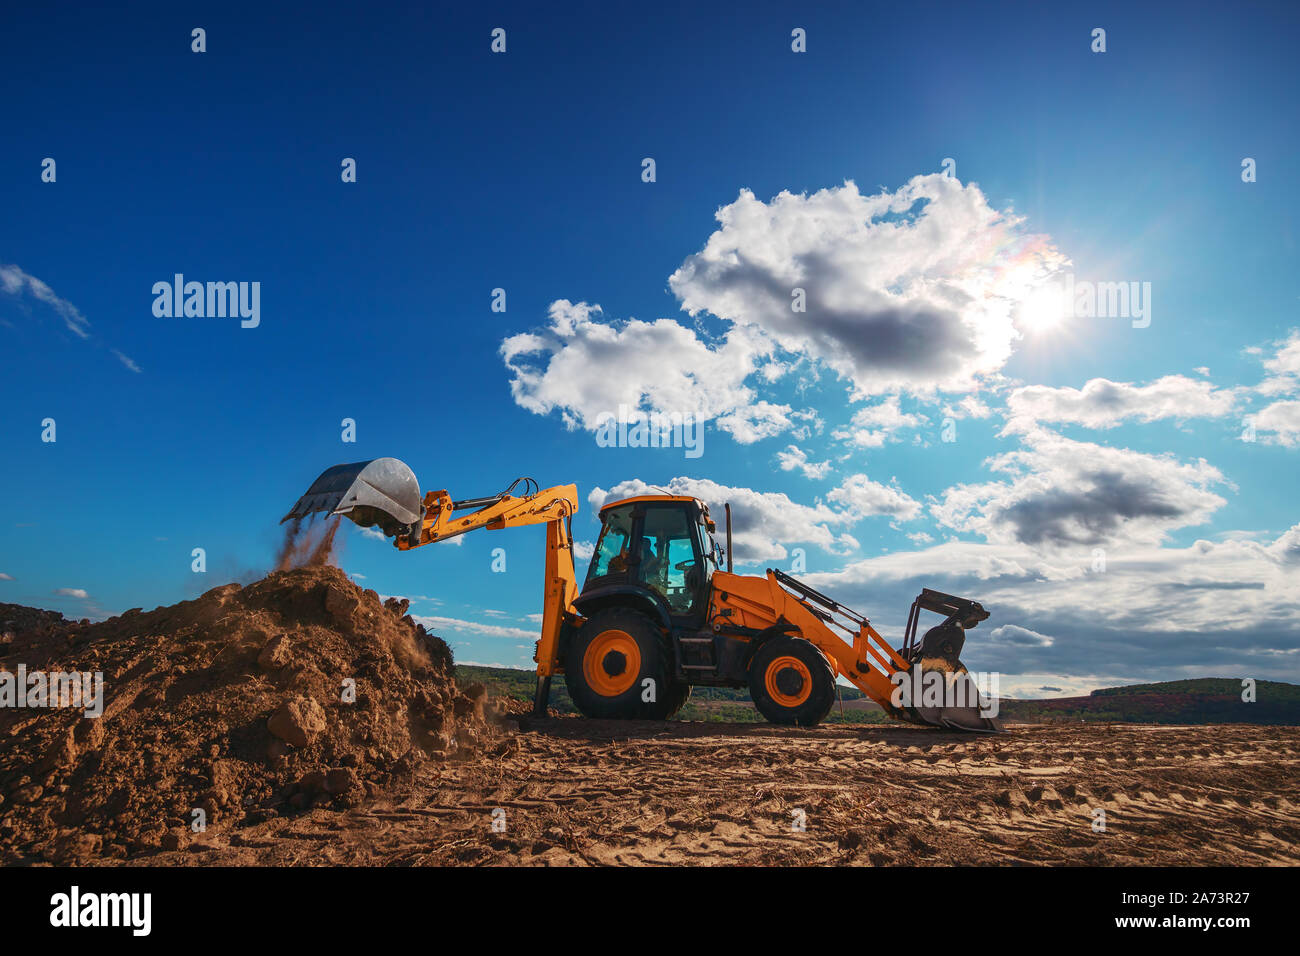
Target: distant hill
[1210, 700]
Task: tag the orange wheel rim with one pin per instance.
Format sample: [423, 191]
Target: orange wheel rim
[788, 681]
[611, 663]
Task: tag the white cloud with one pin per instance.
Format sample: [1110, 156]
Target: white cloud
[810, 424]
[795, 458]
[1065, 493]
[1102, 403]
[413, 598]
[863, 497]
[1045, 686]
[438, 625]
[1227, 608]
[1014, 634]
[582, 550]
[1279, 423]
[72, 592]
[766, 524]
[5, 577]
[125, 360]
[753, 422]
[911, 290]
[968, 407]
[874, 425]
[587, 368]
[14, 281]
[1286, 548]
[1283, 366]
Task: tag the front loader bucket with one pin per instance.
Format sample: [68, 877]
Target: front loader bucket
[383, 492]
[943, 692]
[970, 718]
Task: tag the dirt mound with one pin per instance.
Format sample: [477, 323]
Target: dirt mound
[299, 691]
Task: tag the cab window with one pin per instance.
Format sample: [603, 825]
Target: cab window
[670, 557]
[611, 554]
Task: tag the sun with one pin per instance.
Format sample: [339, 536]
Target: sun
[1043, 310]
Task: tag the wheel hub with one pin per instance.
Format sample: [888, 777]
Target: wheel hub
[788, 681]
[611, 663]
[615, 663]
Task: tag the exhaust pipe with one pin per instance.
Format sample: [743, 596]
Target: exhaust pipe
[727, 509]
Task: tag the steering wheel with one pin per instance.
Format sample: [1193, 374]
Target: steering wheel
[685, 565]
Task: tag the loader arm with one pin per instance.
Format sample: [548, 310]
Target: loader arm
[780, 603]
[866, 660]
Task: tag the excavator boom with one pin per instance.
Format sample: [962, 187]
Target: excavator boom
[385, 493]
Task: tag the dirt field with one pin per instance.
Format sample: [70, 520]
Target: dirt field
[577, 792]
[310, 722]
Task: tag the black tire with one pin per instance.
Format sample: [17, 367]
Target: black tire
[598, 674]
[679, 693]
[803, 695]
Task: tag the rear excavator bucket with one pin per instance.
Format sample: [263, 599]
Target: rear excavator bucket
[943, 694]
[381, 493]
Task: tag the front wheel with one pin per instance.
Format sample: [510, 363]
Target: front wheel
[618, 667]
[791, 683]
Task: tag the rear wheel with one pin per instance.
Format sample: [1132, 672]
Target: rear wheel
[791, 683]
[609, 663]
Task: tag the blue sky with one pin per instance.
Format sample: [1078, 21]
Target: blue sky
[523, 171]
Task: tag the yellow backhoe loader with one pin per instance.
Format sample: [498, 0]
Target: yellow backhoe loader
[657, 613]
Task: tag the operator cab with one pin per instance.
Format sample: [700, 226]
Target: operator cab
[662, 544]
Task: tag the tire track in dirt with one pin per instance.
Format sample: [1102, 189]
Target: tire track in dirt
[580, 792]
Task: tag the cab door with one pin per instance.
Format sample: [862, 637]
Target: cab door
[670, 558]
